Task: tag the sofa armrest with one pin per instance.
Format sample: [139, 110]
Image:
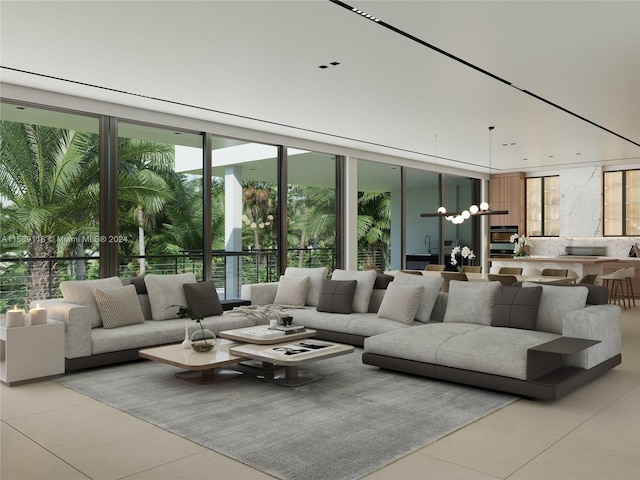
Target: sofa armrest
[259, 293]
[595, 322]
[77, 328]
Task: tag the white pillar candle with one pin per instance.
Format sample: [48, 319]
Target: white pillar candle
[15, 317]
[38, 315]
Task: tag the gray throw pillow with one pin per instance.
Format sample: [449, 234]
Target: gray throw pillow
[555, 302]
[432, 286]
[138, 282]
[336, 296]
[516, 307]
[118, 306]
[382, 281]
[292, 290]
[202, 298]
[364, 287]
[471, 302]
[400, 303]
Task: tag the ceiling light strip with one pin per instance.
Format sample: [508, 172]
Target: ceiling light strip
[483, 71]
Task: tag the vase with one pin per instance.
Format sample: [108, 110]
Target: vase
[186, 343]
[203, 340]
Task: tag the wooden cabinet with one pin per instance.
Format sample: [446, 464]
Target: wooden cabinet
[507, 192]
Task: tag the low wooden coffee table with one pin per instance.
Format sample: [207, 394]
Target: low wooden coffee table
[199, 367]
[290, 356]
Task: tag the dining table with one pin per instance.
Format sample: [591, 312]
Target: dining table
[484, 277]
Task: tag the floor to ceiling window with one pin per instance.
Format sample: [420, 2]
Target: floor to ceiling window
[311, 209]
[160, 222]
[622, 202]
[49, 198]
[422, 193]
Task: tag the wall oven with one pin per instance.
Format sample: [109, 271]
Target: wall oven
[499, 241]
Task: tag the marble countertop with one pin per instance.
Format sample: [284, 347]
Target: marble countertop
[557, 259]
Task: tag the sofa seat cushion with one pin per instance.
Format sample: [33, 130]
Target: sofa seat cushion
[311, 318]
[152, 333]
[474, 347]
[368, 325]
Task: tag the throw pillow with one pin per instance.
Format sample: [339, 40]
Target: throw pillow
[401, 302]
[316, 276]
[138, 282]
[336, 296]
[432, 286]
[471, 302]
[516, 307]
[80, 292]
[165, 291]
[555, 302]
[364, 287]
[202, 298]
[382, 281]
[292, 290]
[118, 306]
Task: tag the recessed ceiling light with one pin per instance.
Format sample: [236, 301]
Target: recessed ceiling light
[525, 159]
[550, 156]
[323, 66]
[20, 108]
[578, 153]
[334, 63]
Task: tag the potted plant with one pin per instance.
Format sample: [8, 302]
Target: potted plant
[202, 340]
[465, 252]
[522, 245]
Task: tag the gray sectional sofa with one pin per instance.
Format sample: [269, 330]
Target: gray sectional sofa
[538, 341]
[108, 320]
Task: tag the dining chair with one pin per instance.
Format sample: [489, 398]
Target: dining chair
[615, 283]
[555, 272]
[412, 272]
[510, 271]
[448, 276]
[589, 279]
[434, 267]
[473, 269]
[506, 280]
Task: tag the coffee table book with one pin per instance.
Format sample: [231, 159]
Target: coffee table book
[263, 335]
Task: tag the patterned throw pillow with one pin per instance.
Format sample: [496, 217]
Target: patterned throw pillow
[432, 286]
[202, 298]
[292, 290]
[401, 303]
[336, 296]
[516, 307]
[118, 306]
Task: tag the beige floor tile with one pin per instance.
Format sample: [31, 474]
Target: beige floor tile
[488, 449]
[626, 408]
[563, 462]
[103, 442]
[22, 459]
[423, 467]
[207, 465]
[610, 436]
[37, 397]
[541, 419]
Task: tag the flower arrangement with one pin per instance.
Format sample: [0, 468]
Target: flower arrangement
[522, 245]
[465, 252]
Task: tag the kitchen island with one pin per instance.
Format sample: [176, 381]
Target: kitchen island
[578, 266]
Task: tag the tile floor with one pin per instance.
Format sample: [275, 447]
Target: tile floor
[50, 432]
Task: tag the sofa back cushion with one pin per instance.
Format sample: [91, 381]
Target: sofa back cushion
[80, 292]
[598, 295]
[165, 291]
[364, 287]
[316, 276]
[471, 302]
[431, 287]
[555, 302]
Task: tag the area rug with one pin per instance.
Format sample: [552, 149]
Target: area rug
[351, 423]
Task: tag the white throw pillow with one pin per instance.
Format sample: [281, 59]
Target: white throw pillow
[557, 300]
[401, 302]
[432, 286]
[316, 276]
[471, 302]
[165, 291]
[80, 292]
[118, 306]
[364, 287]
[292, 290]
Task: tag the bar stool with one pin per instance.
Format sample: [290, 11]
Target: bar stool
[615, 283]
[630, 273]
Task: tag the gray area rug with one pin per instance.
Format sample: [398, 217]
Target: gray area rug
[353, 422]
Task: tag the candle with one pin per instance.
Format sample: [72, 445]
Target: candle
[15, 317]
[38, 315]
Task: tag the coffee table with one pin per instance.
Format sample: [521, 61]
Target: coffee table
[290, 356]
[263, 335]
[199, 367]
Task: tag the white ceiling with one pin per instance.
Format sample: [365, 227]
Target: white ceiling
[255, 64]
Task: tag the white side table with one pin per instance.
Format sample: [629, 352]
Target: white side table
[31, 353]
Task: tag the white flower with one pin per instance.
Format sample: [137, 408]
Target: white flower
[466, 251]
[514, 238]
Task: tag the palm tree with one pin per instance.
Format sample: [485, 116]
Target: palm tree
[374, 225]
